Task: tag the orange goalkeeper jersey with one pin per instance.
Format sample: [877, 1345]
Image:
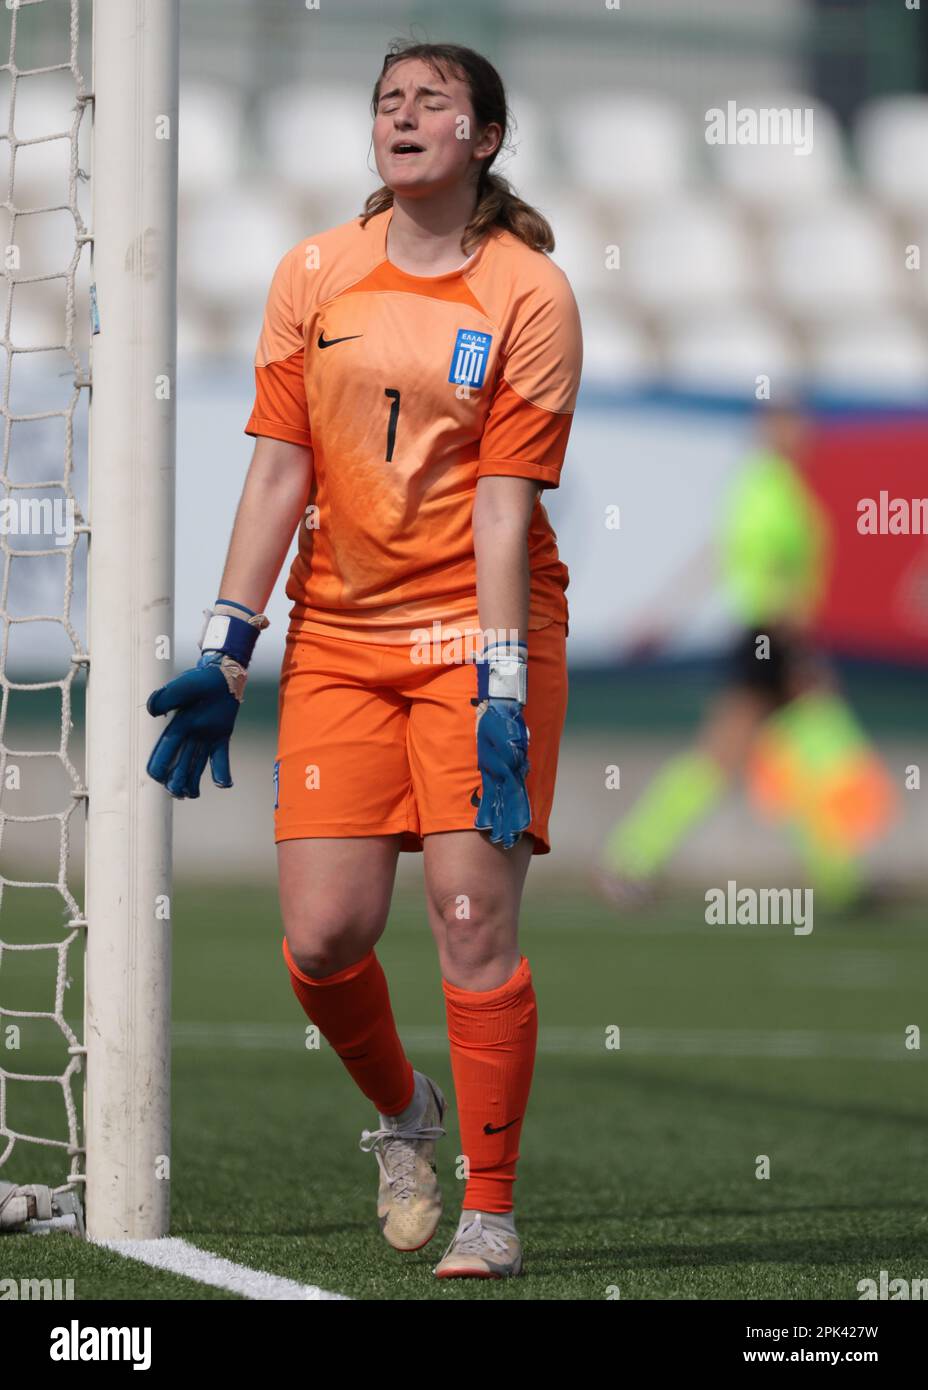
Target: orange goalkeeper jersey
[409, 388]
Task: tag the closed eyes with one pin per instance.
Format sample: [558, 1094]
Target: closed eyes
[388, 109]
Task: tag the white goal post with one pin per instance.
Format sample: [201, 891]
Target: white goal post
[130, 615]
[118, 1146]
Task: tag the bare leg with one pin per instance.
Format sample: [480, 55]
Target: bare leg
[335, 898]
[473, 893]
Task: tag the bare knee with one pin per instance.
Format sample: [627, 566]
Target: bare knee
[476, 932]
[321, 944]
[334, 899]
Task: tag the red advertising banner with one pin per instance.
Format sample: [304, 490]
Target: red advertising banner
[872, 477]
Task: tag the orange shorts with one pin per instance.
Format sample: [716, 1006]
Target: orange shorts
[370, 743]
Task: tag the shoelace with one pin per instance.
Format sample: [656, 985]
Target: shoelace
[477, 1239]
[397, 1162]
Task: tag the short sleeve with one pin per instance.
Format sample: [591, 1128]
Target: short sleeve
[531, 411]
[280, 409]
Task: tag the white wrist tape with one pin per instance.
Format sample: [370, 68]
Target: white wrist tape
[508, 673]
[215, 631]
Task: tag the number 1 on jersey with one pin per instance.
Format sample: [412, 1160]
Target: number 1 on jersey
[394, 396]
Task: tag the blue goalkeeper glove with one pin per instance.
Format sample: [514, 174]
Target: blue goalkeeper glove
[502, 743]
[207, 700]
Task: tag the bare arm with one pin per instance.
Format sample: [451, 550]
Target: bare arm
[273, 501]
[502, 513]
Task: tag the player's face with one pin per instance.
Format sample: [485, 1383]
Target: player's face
[419, 108]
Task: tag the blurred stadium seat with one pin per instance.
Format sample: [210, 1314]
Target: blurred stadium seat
[529, 160]
[883, 356]
[625, 147]
[212, 132]
[580, 243]
[292, 119]
[834, 259]
[615, 353]
[891, 140]
[686, 252]
[728, 351]
[767, 176]
[232, 242]
[201, 335]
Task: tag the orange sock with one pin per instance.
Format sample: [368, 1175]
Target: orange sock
[493, 1036]
[352, 1012]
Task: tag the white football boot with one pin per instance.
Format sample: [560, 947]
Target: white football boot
[409, 1198]
[479, 1251]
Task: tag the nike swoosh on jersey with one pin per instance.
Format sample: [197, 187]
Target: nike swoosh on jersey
[324, 342]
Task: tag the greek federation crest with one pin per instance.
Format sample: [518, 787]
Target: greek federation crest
[469, 358]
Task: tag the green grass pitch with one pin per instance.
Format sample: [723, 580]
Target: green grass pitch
[637, 1176]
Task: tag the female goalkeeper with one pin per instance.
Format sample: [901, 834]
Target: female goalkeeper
[416, 377]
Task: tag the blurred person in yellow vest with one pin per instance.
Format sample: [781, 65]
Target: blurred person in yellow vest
[779, 721]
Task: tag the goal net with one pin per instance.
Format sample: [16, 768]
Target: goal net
[88, 166]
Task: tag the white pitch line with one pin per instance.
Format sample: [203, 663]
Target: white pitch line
[180, 1257]
[786, 1044]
